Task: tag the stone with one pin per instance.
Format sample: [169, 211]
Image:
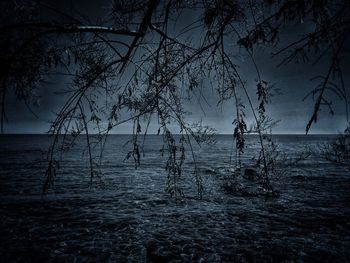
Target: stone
[250, 174]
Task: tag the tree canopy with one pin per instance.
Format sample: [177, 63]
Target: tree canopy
[142, 59]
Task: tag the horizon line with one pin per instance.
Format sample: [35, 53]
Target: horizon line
[142, 134]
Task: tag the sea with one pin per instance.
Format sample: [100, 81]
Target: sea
[125, 213]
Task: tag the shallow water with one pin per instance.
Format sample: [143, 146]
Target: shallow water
[126, 216]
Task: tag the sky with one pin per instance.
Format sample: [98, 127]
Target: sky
[294, 81]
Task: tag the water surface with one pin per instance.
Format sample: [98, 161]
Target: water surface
[126, 216]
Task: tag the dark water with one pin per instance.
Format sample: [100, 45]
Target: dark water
[126, 216]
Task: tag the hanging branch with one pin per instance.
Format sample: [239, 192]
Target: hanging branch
[320, 97]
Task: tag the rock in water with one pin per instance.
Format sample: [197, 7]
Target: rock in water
[250, 174]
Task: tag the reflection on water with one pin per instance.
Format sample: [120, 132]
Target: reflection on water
[126, 216]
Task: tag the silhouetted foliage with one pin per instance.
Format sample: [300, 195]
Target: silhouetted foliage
[338, 150]
[131, 64]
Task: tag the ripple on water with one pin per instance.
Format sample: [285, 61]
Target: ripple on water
[127, 217]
